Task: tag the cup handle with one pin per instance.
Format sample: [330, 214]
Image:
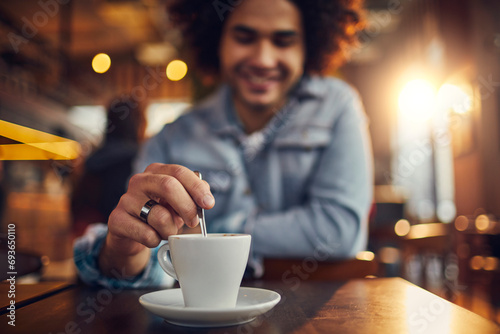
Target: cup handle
[165, 262]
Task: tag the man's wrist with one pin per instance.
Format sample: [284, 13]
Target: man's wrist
[115, 258]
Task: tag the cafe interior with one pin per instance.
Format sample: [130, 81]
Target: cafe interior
[428, 72]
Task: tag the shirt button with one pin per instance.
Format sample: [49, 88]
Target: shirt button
[248, 191]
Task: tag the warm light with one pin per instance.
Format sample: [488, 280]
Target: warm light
[101, 63]
[176, 70]
[365, 256]
[417, 100]
[461, 223]
[454, 98]
[482, 223]
[422, 230]
[490, 263]
[477, 262]
[402, 227]
[388, 255]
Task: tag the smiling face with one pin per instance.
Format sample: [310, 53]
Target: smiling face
[262, 53]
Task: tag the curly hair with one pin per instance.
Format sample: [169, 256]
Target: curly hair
[330, 26]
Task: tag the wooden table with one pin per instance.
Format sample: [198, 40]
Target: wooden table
[24, 294]
[386, 305]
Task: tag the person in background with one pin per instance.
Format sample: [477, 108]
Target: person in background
[107, 170]
[285, 151]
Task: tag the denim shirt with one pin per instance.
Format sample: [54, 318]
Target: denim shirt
[302, 186]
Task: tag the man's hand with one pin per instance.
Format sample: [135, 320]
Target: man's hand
[177, 190]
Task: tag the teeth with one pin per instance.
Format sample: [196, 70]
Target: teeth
[257, 80]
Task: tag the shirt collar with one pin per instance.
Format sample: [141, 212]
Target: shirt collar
[309, 88]
[217, 109]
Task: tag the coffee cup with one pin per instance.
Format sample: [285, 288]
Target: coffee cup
[209, 269]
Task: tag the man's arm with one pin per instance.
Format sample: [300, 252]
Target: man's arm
[86, 255]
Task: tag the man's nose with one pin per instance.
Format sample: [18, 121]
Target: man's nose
[264, 55]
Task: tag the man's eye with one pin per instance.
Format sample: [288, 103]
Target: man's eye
[284, 41]
[244, 39]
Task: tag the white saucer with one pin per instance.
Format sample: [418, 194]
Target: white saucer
[169, 305]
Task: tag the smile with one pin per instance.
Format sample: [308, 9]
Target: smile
[257, 80]
[259, 83]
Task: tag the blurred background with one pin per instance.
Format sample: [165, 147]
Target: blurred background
[428, 72]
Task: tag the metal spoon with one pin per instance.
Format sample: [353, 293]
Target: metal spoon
[201, 213]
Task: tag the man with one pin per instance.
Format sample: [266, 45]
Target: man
[286, 155]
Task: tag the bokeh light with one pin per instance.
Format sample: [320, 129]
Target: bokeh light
[402, 227]
[461, 223]
[388, 255]
[101, 63]
[176, 70]
[365, 256]
[476, 262]
[482, 223]
[490, 263]
[417, 100]
[451, 97]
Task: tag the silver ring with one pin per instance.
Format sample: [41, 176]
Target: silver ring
[146, 209]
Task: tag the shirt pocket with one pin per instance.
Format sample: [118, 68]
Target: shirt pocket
[313, 136]
[300, 153]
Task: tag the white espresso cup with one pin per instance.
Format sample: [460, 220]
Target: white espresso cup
[209, 269]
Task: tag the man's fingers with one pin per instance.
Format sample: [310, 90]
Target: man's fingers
[178, 191]
[168, 191]
[197, 189]
[165, 221]
[181, 192]
[125, 226]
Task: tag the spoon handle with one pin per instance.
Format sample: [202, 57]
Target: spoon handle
[201, 213]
